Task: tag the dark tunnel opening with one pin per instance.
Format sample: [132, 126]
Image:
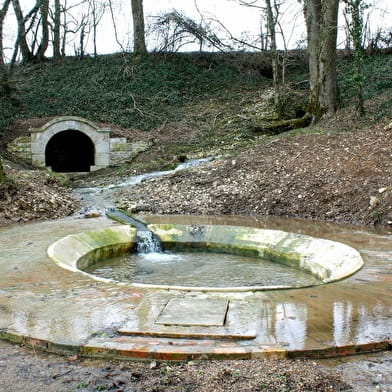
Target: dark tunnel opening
[70, 151]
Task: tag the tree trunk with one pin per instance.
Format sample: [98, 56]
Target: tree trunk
[5, 71]
[2, 174]
[64, 37]
[95, 23]
[321, 20]
[355, 9]
[271, 24]
[56, 30]
[3, 13]
[44, 7]
[139, 43]
[21, 38]
[280, 126]
[81, 39]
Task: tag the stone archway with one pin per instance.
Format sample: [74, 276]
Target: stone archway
[68, 144]
[69, 151]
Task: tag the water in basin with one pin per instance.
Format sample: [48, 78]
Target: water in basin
[199, 269]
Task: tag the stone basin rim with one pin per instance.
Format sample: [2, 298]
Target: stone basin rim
[328, 260]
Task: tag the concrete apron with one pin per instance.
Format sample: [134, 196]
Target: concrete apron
[58, 310]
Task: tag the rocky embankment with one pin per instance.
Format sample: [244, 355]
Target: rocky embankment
[338, 177]
[33, 195]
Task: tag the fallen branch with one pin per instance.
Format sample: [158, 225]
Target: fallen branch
[280, 126]
[134, 105]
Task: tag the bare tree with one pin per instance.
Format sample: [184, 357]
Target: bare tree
[112, 14]
[354, 20]
[56, 30]
[97, 12]
[31, 23]
[5, 88]
[83, 30]
[68, 24]
[21, 41]
[321, 21]
[139, 42]
[272, 12]
[43, 46]
[46, 23]
[174, 30]
[78, 20]
[3, 13]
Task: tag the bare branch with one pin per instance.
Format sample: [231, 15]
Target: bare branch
[173, 28]
[115, 28]
[235, 39]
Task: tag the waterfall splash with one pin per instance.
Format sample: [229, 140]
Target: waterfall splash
[146, 242]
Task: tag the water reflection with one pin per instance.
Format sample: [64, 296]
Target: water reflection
[342, 319]
[374, 322]
[291, 325]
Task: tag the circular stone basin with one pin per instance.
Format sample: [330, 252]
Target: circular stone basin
[324, 260]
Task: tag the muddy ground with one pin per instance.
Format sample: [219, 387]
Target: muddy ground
[339, 177]
[23, 370]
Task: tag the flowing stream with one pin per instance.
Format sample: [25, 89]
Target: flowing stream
[102, 197]
[150, 264]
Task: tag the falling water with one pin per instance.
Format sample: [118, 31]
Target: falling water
[146, 242]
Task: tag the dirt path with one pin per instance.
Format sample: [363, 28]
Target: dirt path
[27, 370]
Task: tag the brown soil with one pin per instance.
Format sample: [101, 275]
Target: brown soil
[341, 177]
[20, 371]
[33, 195]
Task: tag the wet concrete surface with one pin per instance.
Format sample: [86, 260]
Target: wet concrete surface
[60, 310]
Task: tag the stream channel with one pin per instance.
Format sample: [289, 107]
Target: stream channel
[102, 198]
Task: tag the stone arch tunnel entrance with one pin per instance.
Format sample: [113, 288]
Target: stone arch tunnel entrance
[70, 151]
[70, 144]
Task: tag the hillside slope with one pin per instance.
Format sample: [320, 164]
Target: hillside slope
[193, 105]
